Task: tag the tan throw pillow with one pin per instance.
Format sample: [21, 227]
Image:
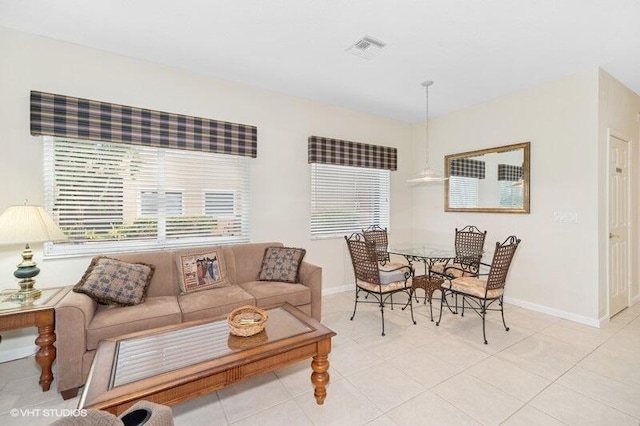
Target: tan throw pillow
[202, 271]
[113, 282]
[281, 264]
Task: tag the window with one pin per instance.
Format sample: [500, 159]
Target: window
[511, 194]
[219, 203]
[463, 191]
[347, 199]
[111, 197]
[150, 203]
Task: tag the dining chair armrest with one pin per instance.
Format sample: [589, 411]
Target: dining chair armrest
[461, 271]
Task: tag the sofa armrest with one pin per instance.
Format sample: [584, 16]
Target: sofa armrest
[73, 315]
[311, 276]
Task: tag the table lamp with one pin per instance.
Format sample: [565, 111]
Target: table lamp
[27, 224]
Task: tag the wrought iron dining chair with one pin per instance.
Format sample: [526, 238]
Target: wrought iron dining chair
[379, 235]
[469, 246]
[480, 294]
[370, 280]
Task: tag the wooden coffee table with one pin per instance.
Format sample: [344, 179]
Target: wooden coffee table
[172, 364]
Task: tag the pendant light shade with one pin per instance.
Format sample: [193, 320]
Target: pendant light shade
[427, 174]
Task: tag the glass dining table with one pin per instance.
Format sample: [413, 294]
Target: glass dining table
[428, 255]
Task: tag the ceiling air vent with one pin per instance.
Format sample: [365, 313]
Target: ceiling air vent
[367, 47]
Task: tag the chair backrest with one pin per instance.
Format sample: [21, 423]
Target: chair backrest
[501, 262]
[469, 244]
[379, 236]
[363, 258]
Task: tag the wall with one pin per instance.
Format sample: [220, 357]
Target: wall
[556, 267]
[619, 113]
[280, 175]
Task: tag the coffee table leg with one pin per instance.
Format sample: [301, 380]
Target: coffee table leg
[46, 354]
[320, 376]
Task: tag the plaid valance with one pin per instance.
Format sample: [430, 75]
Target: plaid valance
[66, 116]
[347, 153]
[467, 167]
[509, 172]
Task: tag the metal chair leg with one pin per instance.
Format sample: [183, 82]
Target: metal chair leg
[431, 307]
[382, 315]
[355, 305]
[502, 313]
[483, 311]
[444, 296]
[411, 308]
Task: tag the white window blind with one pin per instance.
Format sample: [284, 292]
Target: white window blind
[463, 191]
[149, 203]
[221, 203]
[113, 197]
[347, 199]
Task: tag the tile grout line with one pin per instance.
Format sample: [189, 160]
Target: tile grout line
[567, 371]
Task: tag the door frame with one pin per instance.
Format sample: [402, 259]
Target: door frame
[631, 252]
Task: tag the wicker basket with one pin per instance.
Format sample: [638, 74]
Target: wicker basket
[246, 321]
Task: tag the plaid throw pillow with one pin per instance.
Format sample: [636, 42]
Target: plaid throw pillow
[281, 264]
[113, 282]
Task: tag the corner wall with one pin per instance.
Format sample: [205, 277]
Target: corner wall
[556, 267]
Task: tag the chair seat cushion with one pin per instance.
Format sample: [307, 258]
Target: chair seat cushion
[393, 275]
[384, 288]
[472, 286]
[452, 269]
[111, 321]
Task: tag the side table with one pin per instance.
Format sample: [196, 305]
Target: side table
[40, 313]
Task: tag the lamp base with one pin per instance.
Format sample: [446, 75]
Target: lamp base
[25, 295]
[27, 269]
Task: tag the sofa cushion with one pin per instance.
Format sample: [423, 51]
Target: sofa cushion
[111, 321]
[274, 292]
[201, 270]
[281, 264]
[213, 303]
[114, 282]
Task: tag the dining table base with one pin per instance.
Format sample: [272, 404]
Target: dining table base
[429, 284]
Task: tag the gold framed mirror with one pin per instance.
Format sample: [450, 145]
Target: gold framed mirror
[492, 180]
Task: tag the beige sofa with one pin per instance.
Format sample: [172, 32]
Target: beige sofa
[81, 323]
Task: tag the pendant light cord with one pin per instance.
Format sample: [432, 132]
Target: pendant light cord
[426, 85]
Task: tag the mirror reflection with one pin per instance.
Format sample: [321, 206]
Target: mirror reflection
[488, 180]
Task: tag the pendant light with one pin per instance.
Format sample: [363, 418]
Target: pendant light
[427, 174]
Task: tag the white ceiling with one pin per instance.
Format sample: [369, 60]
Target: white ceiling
[474, 50]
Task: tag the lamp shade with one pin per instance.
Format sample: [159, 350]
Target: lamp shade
[28, 224]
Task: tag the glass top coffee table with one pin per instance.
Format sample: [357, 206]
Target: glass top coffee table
[172, 364]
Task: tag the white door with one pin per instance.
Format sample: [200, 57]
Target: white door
[619, 225]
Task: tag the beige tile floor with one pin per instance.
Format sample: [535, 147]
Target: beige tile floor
[545, 371]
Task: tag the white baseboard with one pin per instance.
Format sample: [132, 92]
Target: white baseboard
[556, 312]
[17, 353]
[339, 289]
